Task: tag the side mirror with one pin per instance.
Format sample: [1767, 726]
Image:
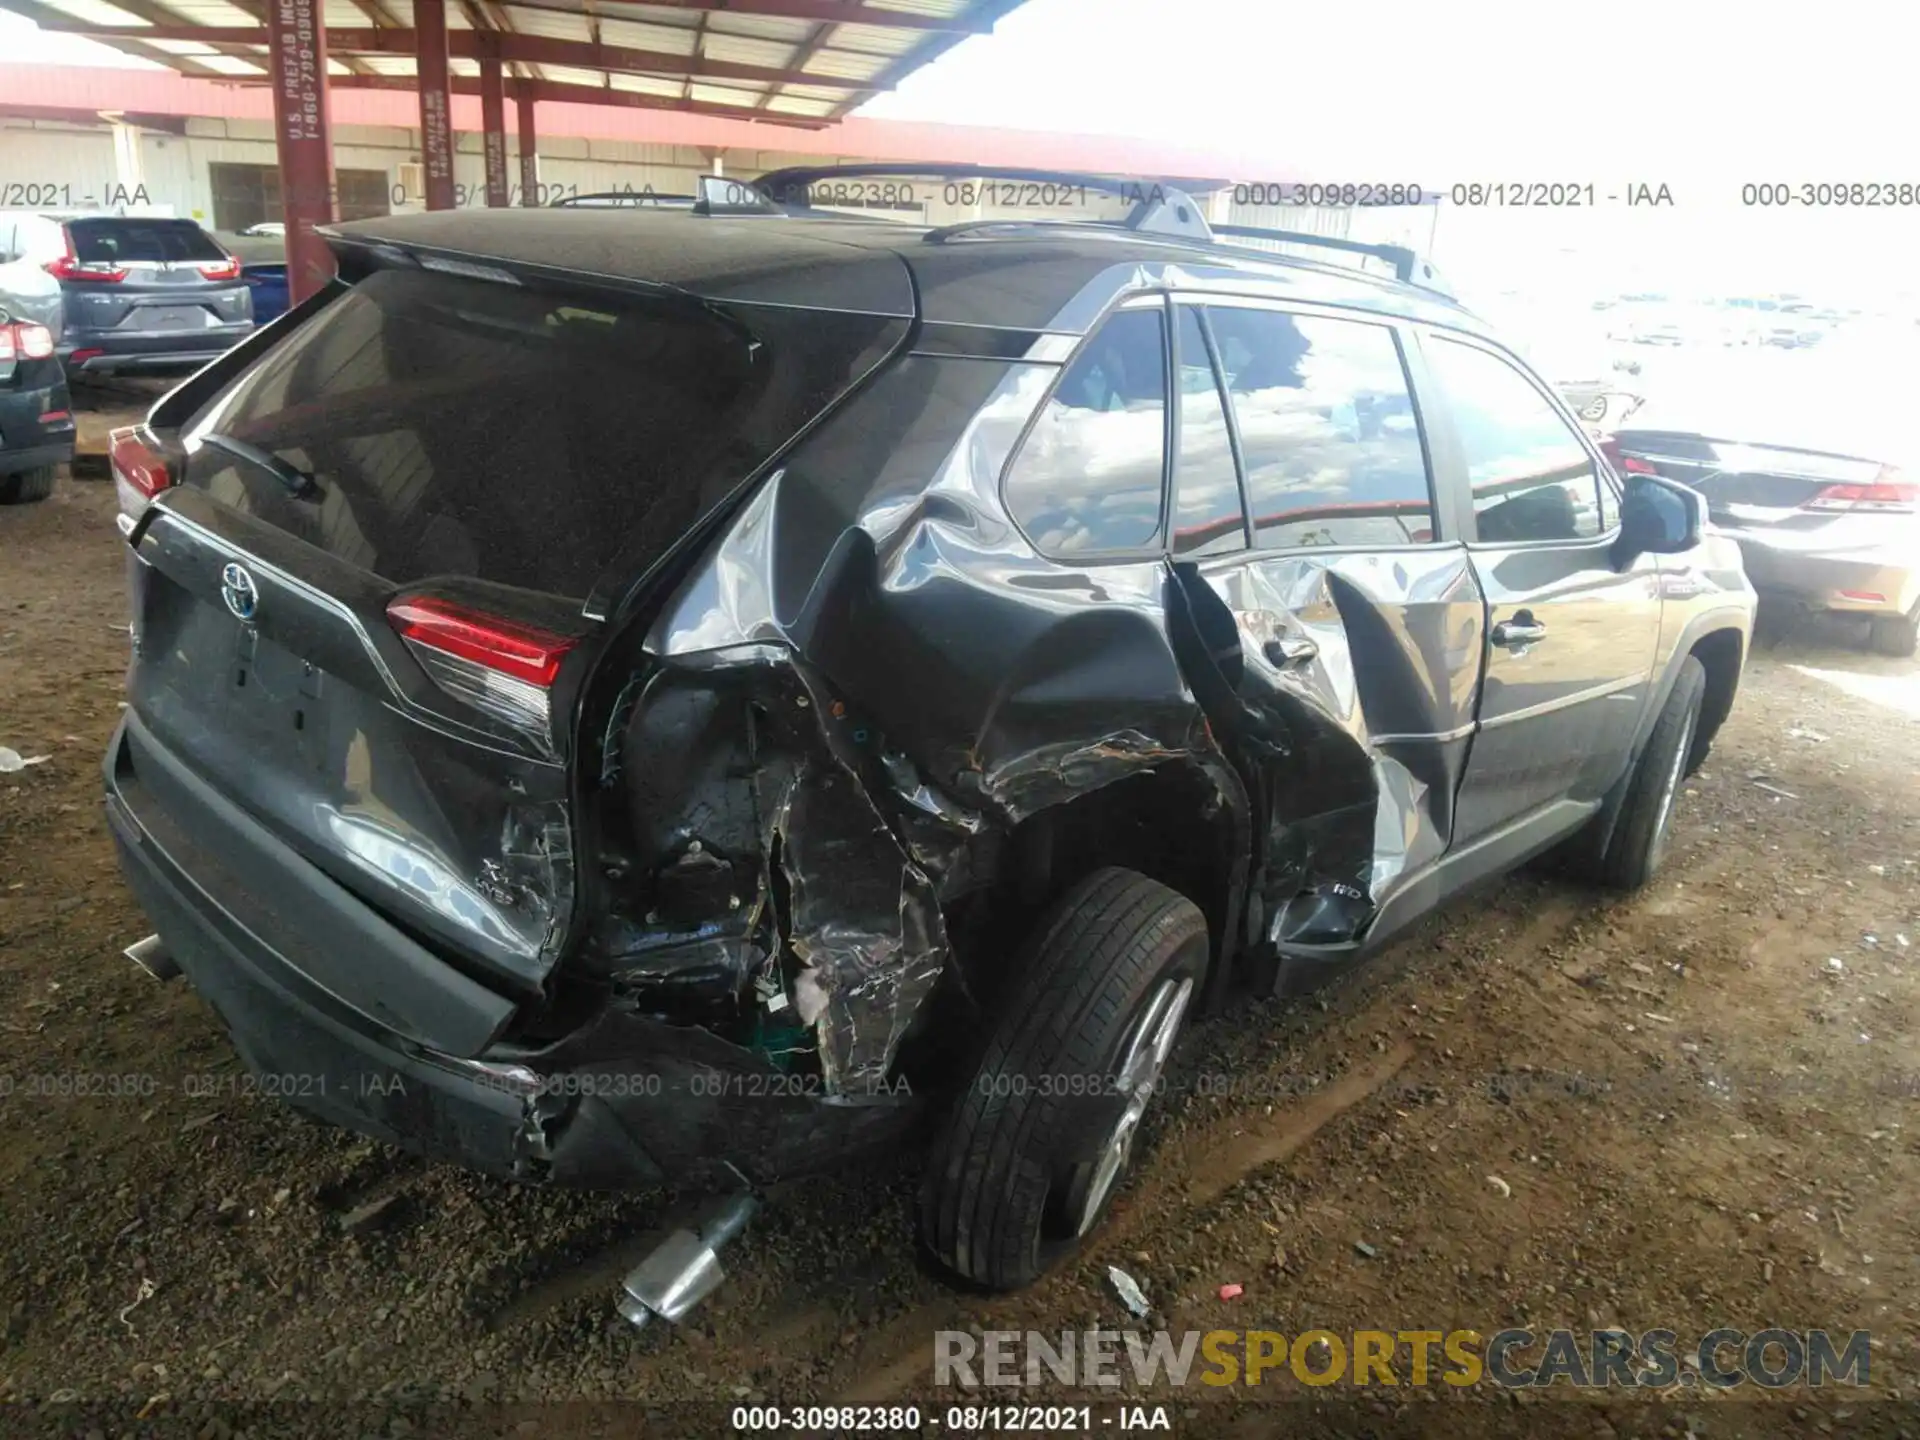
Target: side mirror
[1658, 517]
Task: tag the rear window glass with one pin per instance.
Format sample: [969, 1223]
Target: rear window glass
[538, 438]
[1088, 477]
[150, 240]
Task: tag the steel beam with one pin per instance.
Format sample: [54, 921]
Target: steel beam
[297, 47]
[436, 104]
[529, 151]
[821, 12]
[493, 131]
[560, 92]
[479, 44]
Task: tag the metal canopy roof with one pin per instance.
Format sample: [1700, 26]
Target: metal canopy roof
[791, 62]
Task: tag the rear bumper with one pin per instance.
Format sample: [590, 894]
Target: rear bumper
[114, 352]
[26, 441]
[624, 1102]
[1845, 581]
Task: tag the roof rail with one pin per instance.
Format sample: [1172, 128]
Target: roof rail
[1407, 264]
[1157, 209]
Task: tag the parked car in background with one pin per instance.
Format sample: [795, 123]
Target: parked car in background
[1811, 464]
[262, 254]
[36, 416]
[636, 693]
[142, 293]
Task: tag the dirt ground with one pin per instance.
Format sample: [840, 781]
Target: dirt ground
[1548, 1107]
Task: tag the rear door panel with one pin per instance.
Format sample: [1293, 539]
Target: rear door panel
[1342, 669]
[1359, 749]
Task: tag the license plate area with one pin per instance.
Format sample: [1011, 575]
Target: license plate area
[274, 697]
[171, 317]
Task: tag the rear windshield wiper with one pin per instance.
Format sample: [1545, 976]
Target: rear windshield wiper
[299, 483]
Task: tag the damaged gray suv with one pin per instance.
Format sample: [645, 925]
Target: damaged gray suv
[626, 695]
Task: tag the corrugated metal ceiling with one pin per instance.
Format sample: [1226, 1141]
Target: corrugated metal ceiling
[753, 58]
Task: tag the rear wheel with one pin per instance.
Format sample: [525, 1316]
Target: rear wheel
[1639, 841]
[27, 486]
[1042, 1139]
[1897, 635]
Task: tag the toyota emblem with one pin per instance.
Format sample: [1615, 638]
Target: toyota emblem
[239, 591]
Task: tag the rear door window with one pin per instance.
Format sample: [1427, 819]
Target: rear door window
[155, 241]
[1328, 431]
[528, 437]
[1089, 475]
[1208, 515]
[1532, 478]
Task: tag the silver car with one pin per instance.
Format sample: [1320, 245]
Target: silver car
[142, 293]
[1810, 462]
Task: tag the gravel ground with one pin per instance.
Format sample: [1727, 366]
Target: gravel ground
[1547, 1107]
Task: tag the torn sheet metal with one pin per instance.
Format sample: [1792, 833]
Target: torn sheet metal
[762, 849]
[928, 682]
[962, 685]
[1354, 691]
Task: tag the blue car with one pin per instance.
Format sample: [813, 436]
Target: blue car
[263, 267]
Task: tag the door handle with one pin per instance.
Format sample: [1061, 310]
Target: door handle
[1522, 629]
[1290, 652]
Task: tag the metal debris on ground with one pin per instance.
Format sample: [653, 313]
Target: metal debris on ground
[1365, 1249]
[140, 1297]
[1129, 1291]
[1774, 790]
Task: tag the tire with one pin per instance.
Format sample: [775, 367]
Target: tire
[27, 486]
[1896, 635]
[1639, 840]
[1016, 1179]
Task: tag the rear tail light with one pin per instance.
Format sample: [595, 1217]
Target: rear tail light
[228, 269]
[24, 340]
[1623, 463]
[71, 267]
[499, 666]
[80, 357]
[1887, 495]
[139, 469]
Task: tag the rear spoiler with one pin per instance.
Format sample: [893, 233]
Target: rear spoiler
[1157, 209]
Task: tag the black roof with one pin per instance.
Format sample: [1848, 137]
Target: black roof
[1038, 276]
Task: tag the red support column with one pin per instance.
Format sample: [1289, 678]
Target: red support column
[493, 127]
[529, 153]
[436, 104]
[297, 46]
